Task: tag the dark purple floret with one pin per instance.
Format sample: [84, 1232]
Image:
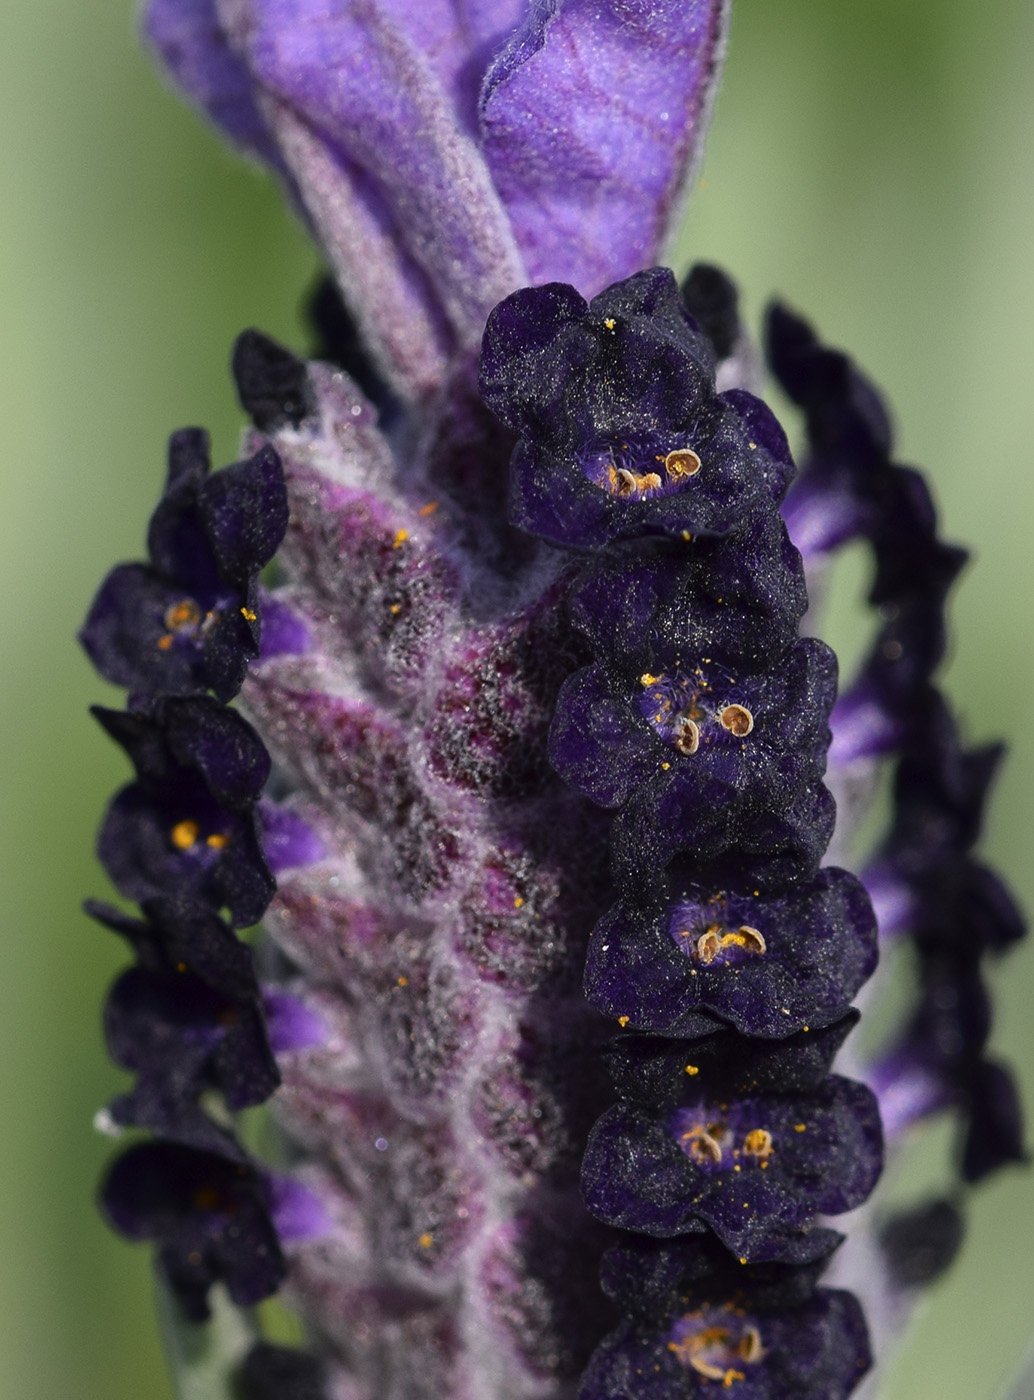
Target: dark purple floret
[189, 621]
[837, 496]
[740, 597]
[704, 1324]
[747, 1139]
[181, 1037]
[768, 965]
[699, 736]
[272, 383]
[725, 767]
[622, 433]
[209, 1215]
[713, 300]
[187, 828]
[994, 1136]
[281, 1373]
[178, 933]
[921, 1243]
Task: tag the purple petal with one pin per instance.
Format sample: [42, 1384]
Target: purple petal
[350, 72]
[194, 48]
[287, 840]
[593, 117]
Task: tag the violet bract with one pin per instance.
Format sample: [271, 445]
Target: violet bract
[555, 974]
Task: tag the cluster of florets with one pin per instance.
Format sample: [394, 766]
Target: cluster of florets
[192, 840]
[730, 960]
[924, 880]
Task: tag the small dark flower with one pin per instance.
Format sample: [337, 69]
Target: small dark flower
[622, 433]
[713, 300]
[767, 964]
[921, 1243]
[180, 1037]
[748, 1140]
[208, 1213]
[701, 760]
[994, 1136]
[835, 498]
[189, 620]
[188, 1017]
[182, 934]
[740, 597]
[272, 383]
[187, 827]
[281, 1373]
[702, 1322]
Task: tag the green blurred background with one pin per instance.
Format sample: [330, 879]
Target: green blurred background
[870, 162]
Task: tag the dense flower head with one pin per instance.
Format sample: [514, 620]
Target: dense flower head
[208, 1212]
[190, 620]
[766, 964]
[621, 431]
[187, 826]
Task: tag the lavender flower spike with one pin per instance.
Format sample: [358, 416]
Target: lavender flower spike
[526, 770]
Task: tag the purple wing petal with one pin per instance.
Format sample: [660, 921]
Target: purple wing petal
[192, 45]
[592, 118]
[350, 72]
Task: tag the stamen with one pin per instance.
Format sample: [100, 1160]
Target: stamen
[737, 719]
[184, 835]
[758, 1143]
[681, 464]
[182, 616]
[702, 1146]
[217, 841]
[625, 483]
[687, 737]
[750, 1348]
[746, 937]
[709, 945]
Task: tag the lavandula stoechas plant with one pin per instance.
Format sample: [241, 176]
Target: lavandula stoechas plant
[530, 787]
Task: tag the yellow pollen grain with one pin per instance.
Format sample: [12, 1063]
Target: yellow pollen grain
[610, 323]
[665, 766]
[426, 1240]
[182, 615]
[401, 536]
[217, 841]
[517, 901]
[164, 643]
[743, 1259]
[692, 1069]
[402, 981]
[184, 834]
[647, 679]
[686, 536]
[395, 609]
[758, 1143]
[429, 509]
[623, 1021]
[248, 615]
[800, 1127]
